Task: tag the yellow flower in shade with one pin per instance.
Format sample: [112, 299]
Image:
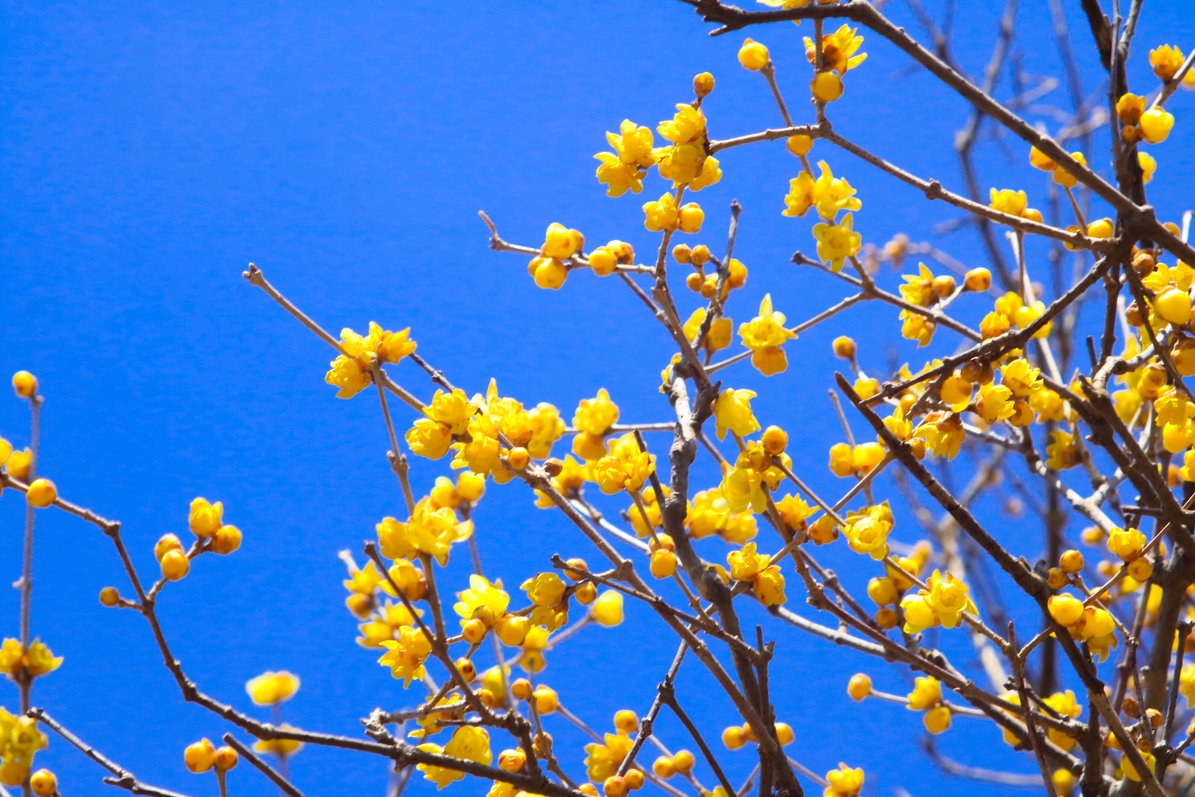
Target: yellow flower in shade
[943, 434]
[769, 586]
[838, 50]
[405, 655]
[844, 782]
[272, 688]
[603, 760]
[205, 519]
[1062, 453]
[836, 242]
[732, 410]
[719, 333]
[468, 743]
[38, 659]
[1064, 704]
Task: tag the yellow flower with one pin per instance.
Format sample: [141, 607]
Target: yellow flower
[272, 688]
[927, 693]
[661, 214]
[769, 586]
[279, 747]
[732, 411]
[405, 655]
[843, 782]
[453, 410]
[1126, 543]
[867, 531]
[766, 330]
[546, 589]
[618, 177]
[746, 564]
[1166, 60]
[431, 530]
[949, 599]
[1061, 451]
[836, 242]
[205, 519]
[686, 126]
[430, 439]
[833, 194]
[603, 760]
[943, 435]
[838, 50]
[468, 743]
[39, 660]
[484, 600]
[633, 144]
[800, 195]
[681, 163]
[607, 609]
[719, 333]
[1008, 201]
[595, 416]
[349, 375]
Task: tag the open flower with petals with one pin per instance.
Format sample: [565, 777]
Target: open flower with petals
[484, 600]
[838, 50]
[837, 242]
[468, 743]
[405, 655]
[833, 194]
[732, 410]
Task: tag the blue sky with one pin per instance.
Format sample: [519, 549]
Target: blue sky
[152, 150]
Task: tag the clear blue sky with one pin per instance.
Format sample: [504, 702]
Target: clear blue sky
[150, 151]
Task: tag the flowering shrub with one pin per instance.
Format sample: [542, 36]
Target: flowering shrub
[1102, 437]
